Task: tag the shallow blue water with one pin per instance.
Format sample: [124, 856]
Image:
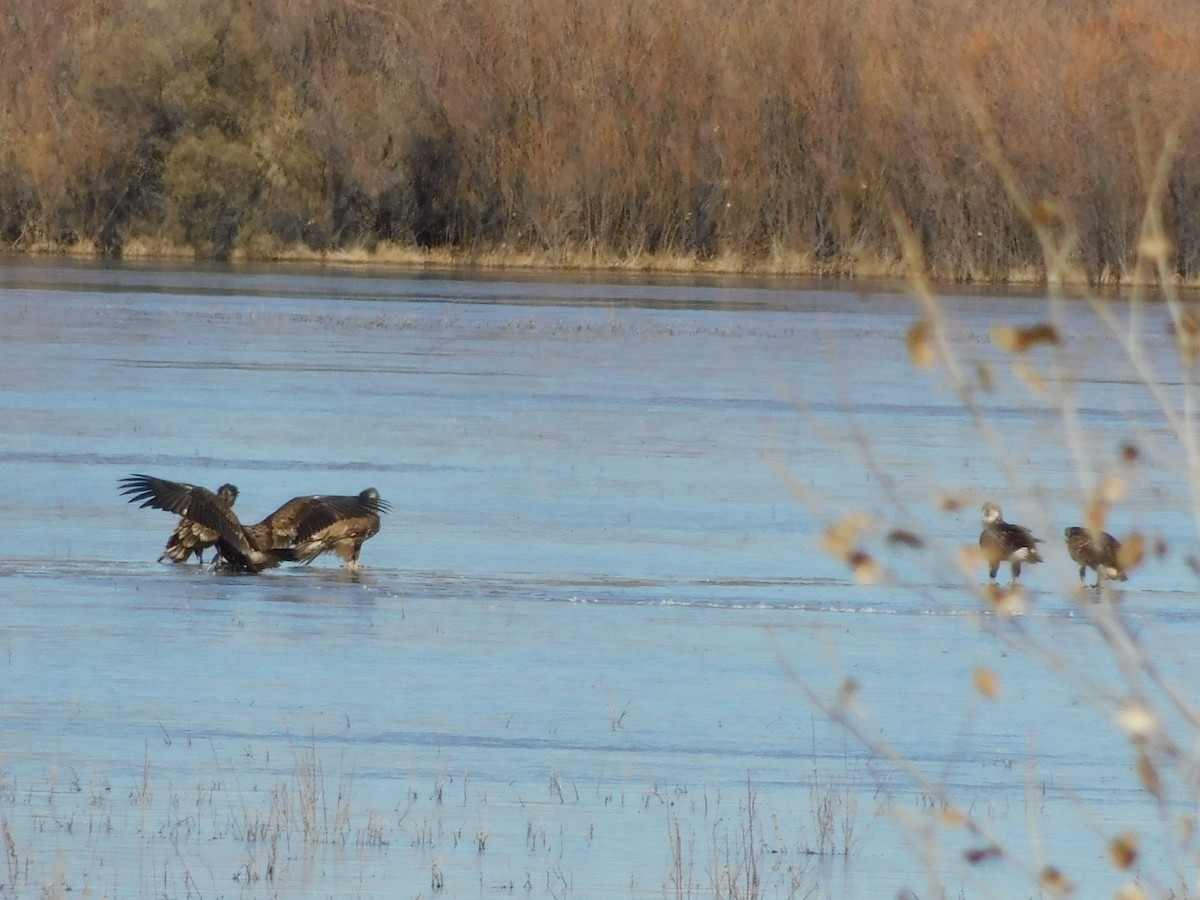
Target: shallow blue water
[591, 624]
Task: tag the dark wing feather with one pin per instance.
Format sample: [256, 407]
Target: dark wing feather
[325, 523]
[303, 517]
[192, 501]
[1093, 548]
[1079, 545]
[325, 512]
[190, 537]
[1017, 536]
[1109, 548]
[278, 530]
[158, 493]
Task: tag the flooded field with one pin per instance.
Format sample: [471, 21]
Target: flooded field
[582, 656]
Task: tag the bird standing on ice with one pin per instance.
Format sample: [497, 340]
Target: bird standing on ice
[1097, 550]
[1005, 542]
[190, 537]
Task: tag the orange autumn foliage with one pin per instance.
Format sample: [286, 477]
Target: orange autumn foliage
[779, 135]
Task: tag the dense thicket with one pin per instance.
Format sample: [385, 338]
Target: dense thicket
[776, 131]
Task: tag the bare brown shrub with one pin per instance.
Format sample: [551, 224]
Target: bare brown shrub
[770, 135]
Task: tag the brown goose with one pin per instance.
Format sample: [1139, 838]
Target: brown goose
[298, 523]
[1096, 550]
[1005, 542]
[190, 537]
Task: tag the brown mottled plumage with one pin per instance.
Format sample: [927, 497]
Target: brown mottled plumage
[1096, 550]
[190, 537]
[301, 529]
[1005, 542]
[323, 529]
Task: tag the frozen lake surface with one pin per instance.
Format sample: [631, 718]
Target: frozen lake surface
[581, 655]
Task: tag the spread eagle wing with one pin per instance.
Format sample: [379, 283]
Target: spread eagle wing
[325, 523]
[349, 512]
[278, 530]
[190, 537]
[200, 505]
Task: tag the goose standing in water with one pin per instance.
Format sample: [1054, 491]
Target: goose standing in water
[1096, 550]
[301, 529]
[1005, 542]
[190, 537]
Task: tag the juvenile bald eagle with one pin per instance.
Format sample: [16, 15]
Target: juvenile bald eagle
[1096, 550]
[301, 529]
[190, 537]
[1005, 542]
[334, 525]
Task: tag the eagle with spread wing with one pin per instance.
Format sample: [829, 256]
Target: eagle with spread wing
[300, 530]
[328, 524]
[190, 538]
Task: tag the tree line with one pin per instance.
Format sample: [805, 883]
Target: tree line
[771, 134]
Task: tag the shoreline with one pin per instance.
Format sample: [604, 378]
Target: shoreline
[582, 261]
